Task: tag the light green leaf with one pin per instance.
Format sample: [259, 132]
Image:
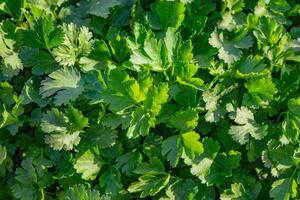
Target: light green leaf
[247, 127]
[185, 120]
[77, 43]
[88, 165]
[192, 146]
[79, 192]
[65, 84]
[261, 90]
[149, 185]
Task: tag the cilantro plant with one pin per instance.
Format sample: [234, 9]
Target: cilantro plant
[149, 99]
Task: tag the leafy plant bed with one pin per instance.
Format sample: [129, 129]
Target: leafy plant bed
[124, 99]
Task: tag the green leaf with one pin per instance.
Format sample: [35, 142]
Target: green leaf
[76, 120]
[291, 123]
[102, 137]
[44, 35]
[247, 127]
[156, 97]
[40, 61]
[149, 185]
[181, 189]
[229, 50]
[128, 161]
[77, 44]
[53, 121]
[172, 147]
[249, 67]
[80, 192]
[153, 178]
[201, 164]
[88, 165]
[26, 177]
[140, 124]
[14, 9]
[111, 181]
[284, 189]
[7, 94]
[101, 8]
[185, 120]
[152, 56]
[261, 90]
[63, 129]
[30, 93]
[192, 146]
[159, 18]
[3, 154]
[65, 84]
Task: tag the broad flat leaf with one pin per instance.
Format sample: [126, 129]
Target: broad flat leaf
[185, 120]
[184, 96]
[140, 124]
[244, 187]
[76, 120]
[123, 96]
[152, 56]
[45, 35]
[291, 124]
[31, 177]
[102, 137]
[40, 61]
[111, 181]
[172, 147]
[212, 98]
[77, 44]
[53, 121]
[261, 90]
[187, 144]
[159, 18]
[88, 165]
[76, 14]
[13, 9]
[128, 161]
[268, 31]
[153, 178]
[181, 189]
[156, 97]
[250, 67]
[149, 185]
[201, 164]
[63, 129]
[7, 94]
[65, 84]
[102, 8]
[192, 146]
[11, 63]
[229, 51]
[247, 127]
[80, 192]
[219, 172]
[30, 93]
[284, 189]
[66, 141]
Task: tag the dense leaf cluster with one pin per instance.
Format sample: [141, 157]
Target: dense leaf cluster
[163, 100]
